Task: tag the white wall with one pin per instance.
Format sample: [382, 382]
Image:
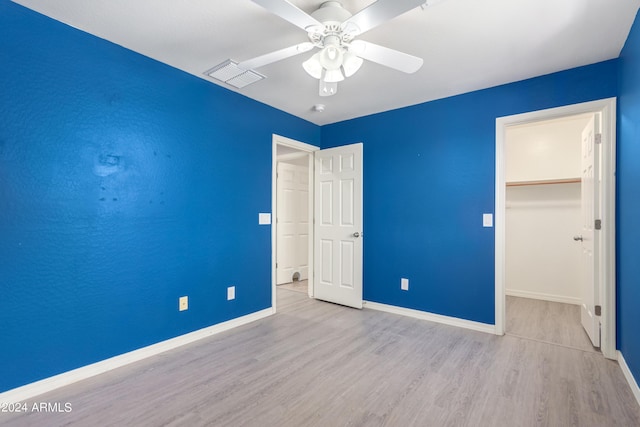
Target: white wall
[542, 259]
[295, 159]
[544, 150]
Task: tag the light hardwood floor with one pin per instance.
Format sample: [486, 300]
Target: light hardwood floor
[547, 321]
[320, 364]
[298, 286]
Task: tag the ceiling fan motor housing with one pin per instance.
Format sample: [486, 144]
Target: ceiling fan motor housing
[331, 12]
[332, 15]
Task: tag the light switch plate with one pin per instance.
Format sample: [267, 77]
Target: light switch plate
[264, 218]
[183, 303]
[487, 220]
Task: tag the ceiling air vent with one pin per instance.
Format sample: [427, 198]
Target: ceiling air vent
[229, 73]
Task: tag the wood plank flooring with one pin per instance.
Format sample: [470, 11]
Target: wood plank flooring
[547, 321]
[298, 286]
[319, 364]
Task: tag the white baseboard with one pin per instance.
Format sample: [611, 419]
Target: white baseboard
[629, 376]
[543, 296]
[437, 318]
[37, 388]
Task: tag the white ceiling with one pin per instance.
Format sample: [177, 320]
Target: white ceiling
[466, 44]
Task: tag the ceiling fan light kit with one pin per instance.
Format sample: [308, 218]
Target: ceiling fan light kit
[332, 29]
[333, 76]
[313, 67]
[333, 63]
[351, 64]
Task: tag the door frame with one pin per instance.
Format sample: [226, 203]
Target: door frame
[278, 140]
[607, 255]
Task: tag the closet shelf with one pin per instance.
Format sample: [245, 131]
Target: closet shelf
[544, 182]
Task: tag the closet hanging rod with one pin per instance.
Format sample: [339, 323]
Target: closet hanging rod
[544, 182]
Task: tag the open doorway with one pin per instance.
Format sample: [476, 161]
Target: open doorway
[292, 207]
[604, 256]
[543, 219]
[293, 222]
[334, 240]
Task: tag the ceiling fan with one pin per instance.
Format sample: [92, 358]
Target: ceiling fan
[333, 30]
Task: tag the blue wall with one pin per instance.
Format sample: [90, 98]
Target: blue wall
[429, 176]
[124, 184]
[628, 209]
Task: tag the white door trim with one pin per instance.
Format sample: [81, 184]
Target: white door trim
[305, 148]
[607, 107]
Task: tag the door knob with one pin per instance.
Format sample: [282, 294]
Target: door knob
[356, 234]
[578, 238]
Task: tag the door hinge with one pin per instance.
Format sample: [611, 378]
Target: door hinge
[598, 138]
[598, 310]
[598, 224]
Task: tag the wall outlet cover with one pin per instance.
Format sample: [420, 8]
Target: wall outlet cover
[231, 293]
[183, 303]
[404, 284]
[487, 220]
[264, 218]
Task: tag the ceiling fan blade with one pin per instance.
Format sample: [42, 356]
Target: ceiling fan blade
[278, 55]
[289, 12]
[379, 12]
[384, 56]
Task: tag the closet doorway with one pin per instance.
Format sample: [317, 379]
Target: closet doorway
[543, 262]
[548, 194]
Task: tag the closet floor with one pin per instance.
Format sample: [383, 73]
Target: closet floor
[298, 286]
[546, 321]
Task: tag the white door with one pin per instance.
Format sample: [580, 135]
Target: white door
[589, 238]
[338, 225]
[292, 224]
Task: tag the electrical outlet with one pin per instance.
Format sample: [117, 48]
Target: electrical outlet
[231, 293]
[404, 284]
[183, 303]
